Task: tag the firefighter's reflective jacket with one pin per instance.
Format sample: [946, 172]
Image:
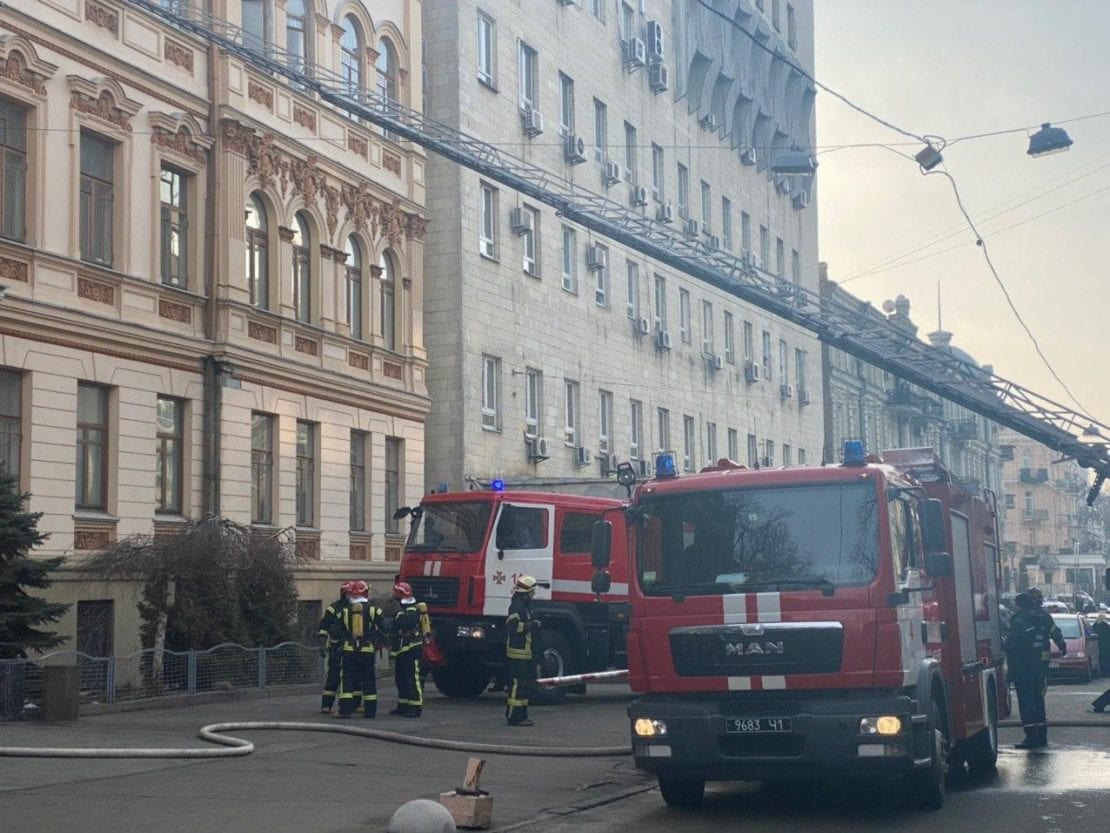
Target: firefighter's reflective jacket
[330, 621]
[411, 626]
[357, 627]
[519, 626]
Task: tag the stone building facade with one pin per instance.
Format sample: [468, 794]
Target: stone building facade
[214, 287]
[554, 353]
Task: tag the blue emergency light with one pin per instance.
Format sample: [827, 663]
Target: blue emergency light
[664, 466]
[497, 485]
[854, 453]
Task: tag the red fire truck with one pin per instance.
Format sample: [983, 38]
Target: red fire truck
[812, 623]
[465, 550]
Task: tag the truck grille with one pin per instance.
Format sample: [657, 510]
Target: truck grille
[436, 592]
[747, 650]
[761, 746]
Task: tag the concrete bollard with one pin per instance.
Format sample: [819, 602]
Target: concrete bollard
[421, 816]
[59, 693]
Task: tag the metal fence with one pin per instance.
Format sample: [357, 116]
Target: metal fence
[151, 674]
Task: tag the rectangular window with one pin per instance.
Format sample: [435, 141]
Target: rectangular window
[169, 456]
[764, 248]
[92, 447]
[262, 468]
[733, 445]
[660, 302]
[175, 227]
[571, 411]
[601, 132]
[352, 272]
[570, 259]
[730, 338]
[632, 290]
[784, 376]
[491, 393]
[636, 430]
[753, 452]
[486, 51]
[529, 78]
[601, 288]
[566, 105]
[394, 454]
[605, 421]
[795, 267]
[689, 439]
[776, 15]
[530, 243]
[767, 355]
[800, 371]
[306, 473]
[787, 455]
[487, 231]
[97, 199]
[358, 480]
[749, 342]
[533, 401]
[684, 316]
[706, 206]
[780, 258]
[598, 8]
[708, 343]
[711, 442]
[726, 222]
[791, 28]
[745, 230]
[657, 175]
[11, 422]
[801, 456]
[663, 427]
[13, 171]
[631, 162]
[683, 191]
[768, 453]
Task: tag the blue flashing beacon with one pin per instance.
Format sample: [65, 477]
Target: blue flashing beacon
[664, 466]
[854, 453]
[497, 485]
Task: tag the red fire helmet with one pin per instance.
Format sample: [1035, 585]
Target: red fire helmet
[402, 590]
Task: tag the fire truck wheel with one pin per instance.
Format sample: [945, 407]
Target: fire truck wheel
[681, 792]
[555, 660]
[930, 784]
[982, 756]
[458, 680]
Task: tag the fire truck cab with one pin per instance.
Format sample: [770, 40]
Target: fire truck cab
[813, 623]
[465, 551]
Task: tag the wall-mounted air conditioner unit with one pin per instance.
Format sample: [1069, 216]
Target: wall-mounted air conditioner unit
[655, 40]
[663, 340]
[642, 326]
[659, 78]
[639, 195]
[635, 52]
[582, 456]
[691, 228]
[666, 213]
[713, 242]
[612, 173]
[803, 396]
[782, 184]
[708, 122]
[748, 157]
[533, 121]
[643, 468]
[575, 149]
[800, 200]
[715, 361]
[608, 464]
[597, 257]
[787, 391]
[752, 372]
[537, 448]
[520, 221]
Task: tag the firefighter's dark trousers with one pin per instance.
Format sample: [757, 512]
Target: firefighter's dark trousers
[331, 681]
[406, 673]
[358, 684]
[521, 677]
[1030, 697]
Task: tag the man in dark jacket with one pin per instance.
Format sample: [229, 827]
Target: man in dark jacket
[411, 627]
[519, 626]
[1026, 642]
[358, 631]
[330, 644]
[1102, 629]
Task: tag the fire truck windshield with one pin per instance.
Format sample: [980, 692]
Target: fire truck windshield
[450, 527]
[758, 539]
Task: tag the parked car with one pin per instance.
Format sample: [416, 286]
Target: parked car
[1082, 657]
[1055, 606]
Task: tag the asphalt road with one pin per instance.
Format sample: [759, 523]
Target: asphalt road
[331, 783]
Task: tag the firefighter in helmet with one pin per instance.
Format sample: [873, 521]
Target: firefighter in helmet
[358, 630]
[520, 625]
[411, 627]
[330, 643]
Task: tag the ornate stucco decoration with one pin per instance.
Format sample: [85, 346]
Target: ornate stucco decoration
[182, 134]
[103, 99]
[20, 63]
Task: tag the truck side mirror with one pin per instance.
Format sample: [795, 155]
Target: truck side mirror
[600, 542]
[403, 512]
[932, 526]
[600, 583]
[938, 564]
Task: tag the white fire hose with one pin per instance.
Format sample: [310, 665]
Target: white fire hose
[575, 679]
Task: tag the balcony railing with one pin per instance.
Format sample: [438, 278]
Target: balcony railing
[1033, 476]
[1035, 515]
[905, 399]
[963, 429]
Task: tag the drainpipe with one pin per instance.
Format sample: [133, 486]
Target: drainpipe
[213, 370]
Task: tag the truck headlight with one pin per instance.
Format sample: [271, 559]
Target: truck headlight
[645, 727]
[1081, 654]
[470, 632]
[887, 724]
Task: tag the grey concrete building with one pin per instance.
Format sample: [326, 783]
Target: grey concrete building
[553, 353]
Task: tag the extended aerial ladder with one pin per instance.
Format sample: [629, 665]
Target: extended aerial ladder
[855, 328]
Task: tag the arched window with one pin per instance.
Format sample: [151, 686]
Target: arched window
[389, 310]
[296, 34]
[387, 70]
[302, 269]
[255, 24]
[258, 272]
[353, 272]
[350, 53]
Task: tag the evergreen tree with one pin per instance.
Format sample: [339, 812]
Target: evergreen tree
[21, 614]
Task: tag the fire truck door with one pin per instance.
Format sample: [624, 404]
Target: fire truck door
[964, 586]
[522, 544]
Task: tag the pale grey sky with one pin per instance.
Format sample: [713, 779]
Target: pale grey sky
[955, 68]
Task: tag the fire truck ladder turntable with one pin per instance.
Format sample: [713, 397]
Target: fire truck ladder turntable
[855, 328]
